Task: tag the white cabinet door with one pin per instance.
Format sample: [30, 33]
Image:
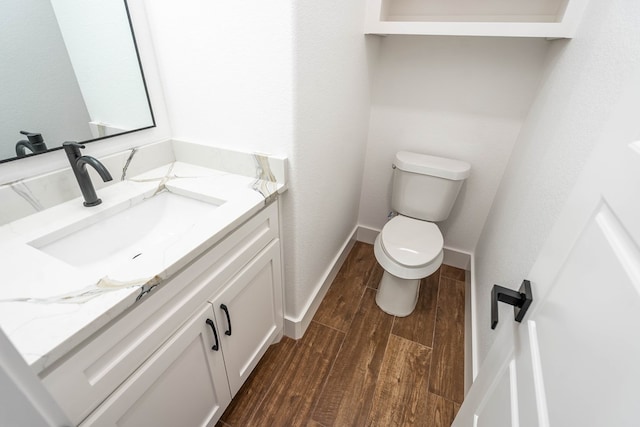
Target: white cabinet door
[249, 313]
[574, 359]
[182, 384]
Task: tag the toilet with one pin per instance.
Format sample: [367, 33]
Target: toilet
[410, 246]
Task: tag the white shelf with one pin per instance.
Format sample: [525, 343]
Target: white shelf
[496, 18]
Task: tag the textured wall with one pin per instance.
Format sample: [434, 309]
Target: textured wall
[458, 97]
[278, 77]
[331, 115]
[227, 71]
[583, 80]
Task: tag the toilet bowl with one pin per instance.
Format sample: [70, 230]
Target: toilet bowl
[408, 250]
[410, 246]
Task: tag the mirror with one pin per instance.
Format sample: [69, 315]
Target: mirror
[70, 72]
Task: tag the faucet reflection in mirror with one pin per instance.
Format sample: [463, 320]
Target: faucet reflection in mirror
[34, 143]
[75, 76]
[79, 166]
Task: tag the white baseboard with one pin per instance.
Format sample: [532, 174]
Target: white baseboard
[471, 312]
[457, 258]
[296, 327]
[366, 234]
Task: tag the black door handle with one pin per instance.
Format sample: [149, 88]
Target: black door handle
[215, 335]
[226, 311]
[520, 300]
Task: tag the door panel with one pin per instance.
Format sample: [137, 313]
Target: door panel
[576, 353]
[588, 329]
[492, 411]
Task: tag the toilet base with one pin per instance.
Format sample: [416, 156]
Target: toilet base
[397, 296]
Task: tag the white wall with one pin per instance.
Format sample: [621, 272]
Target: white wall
[227, 71]
[331, 107]
[35, 75]
[583, 81]
[282, 78]
[458, 97]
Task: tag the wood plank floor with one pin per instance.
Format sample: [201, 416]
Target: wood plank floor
[358, 366]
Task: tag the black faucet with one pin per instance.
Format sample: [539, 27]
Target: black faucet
[79, 165]
[34, 143]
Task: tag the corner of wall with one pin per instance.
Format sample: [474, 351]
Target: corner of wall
[295, 327]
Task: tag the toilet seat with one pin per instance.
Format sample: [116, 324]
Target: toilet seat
[411, 242]
[409, 248]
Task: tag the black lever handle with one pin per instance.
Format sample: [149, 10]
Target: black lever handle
[215, 335]
[226, 311]
[520, 300]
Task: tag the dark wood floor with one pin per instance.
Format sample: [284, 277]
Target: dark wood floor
[358, 366]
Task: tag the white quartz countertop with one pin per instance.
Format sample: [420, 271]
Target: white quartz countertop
[48, 306]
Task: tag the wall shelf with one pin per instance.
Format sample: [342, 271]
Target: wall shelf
[492, 18]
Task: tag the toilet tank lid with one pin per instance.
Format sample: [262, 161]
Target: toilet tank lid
[431, 165]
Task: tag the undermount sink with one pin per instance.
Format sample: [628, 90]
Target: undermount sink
[126, 233]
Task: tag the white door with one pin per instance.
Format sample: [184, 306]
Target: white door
[575, 358]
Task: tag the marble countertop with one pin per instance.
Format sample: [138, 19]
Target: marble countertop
[48, 306]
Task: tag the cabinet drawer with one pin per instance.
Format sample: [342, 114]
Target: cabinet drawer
[91, 372]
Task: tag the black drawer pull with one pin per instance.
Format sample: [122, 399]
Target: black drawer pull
[226, 311]
[215, 335]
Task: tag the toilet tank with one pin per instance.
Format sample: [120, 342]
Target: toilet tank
[426, 187]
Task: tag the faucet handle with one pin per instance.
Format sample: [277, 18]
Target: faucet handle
[29, 134]
[72, 150]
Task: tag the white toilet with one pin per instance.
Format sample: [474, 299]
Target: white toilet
[409, 247]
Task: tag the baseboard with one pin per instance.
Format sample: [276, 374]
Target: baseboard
[296, 327]
[471, 330]
[457, 258]
[366, 234]
[468, 335]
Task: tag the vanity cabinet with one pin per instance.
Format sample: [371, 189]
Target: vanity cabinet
[501, 18]
[191, 379]
[154, 365]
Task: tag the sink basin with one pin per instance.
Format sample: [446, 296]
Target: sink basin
[126, 233]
